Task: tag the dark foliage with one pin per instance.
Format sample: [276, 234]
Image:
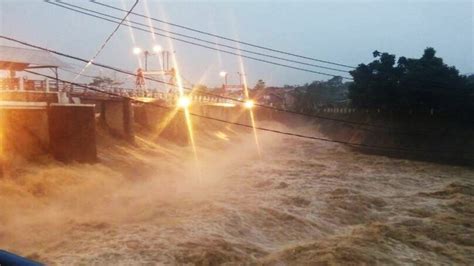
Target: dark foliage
[424, 83]
[321, 93]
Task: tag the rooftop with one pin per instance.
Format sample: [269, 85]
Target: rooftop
[18, 59]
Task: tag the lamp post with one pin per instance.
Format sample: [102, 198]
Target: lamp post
[240, 76]
[224, 75]
[156, 50]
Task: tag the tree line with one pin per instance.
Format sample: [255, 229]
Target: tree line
[411, 83]
[423, 84]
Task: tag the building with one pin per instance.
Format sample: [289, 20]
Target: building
[14, 60]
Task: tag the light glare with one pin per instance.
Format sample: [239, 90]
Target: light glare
[249, 104]
[137, 50]
[184, 102]
[157, 48]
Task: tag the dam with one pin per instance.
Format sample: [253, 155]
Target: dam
[105, 178]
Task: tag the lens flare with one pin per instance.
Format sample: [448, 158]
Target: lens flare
[184, 102]
[150, 24]
[247, 97]
[249, 104]
[136, 50]
[132, 35]
[157, 48]
[179, 84]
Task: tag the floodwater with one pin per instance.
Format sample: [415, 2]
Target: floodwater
[301, 202]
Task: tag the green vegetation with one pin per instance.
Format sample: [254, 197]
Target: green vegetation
[321, 93]
[104, 82]
[417, 84]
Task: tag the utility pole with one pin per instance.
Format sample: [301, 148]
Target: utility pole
[146, 53]
[240, 76]
[156, 50]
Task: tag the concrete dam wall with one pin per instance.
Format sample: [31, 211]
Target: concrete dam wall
[68, 131]
[423, 136]
[33, 129]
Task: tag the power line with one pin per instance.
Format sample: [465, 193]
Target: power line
[202, 40]
[107, 39]
[77, 73]
[211, 94]
[432, 83]
[94, 77]
[351, 144]
[225, 38]
[205, 46]
[237, 41]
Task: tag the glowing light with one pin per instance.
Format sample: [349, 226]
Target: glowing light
[249, 104]
[150, 24]
[223, 104]
[184, 102]
[137, 50]
[157, 48]
[189, 124]
[246, 94]
[132, 35]
[221, 135]
[222, 73]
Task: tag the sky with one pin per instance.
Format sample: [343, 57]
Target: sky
[340, 31]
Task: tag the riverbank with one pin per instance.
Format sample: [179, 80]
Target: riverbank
[406, 135]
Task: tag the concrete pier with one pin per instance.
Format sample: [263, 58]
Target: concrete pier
[117, 115]
[23, 130]
[72, 132]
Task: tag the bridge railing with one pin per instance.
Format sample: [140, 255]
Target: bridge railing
[52, 85]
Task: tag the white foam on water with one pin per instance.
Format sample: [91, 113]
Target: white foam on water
[303, 202]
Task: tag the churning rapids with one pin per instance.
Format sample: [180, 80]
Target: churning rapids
[300, 202]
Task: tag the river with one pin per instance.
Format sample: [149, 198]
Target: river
[298, 202]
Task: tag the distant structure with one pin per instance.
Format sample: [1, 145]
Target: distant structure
[274, 96]
[14, 59]
[140, 80]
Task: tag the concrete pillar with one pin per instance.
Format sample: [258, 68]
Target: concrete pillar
[128, 120]
[22, 83]
[102, 114]
[72, 132]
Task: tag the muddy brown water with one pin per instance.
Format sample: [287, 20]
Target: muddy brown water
[301, 202]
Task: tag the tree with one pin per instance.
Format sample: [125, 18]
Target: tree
[260, 85]
[320, 93]
[104, 82]
[410, 83]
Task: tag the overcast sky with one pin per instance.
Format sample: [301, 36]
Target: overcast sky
[346, 32]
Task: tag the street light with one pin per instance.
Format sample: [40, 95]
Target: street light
[157, 48]
[137, 50]
[224, 75]
[184, 101]
[240, 76]
[249, 104]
